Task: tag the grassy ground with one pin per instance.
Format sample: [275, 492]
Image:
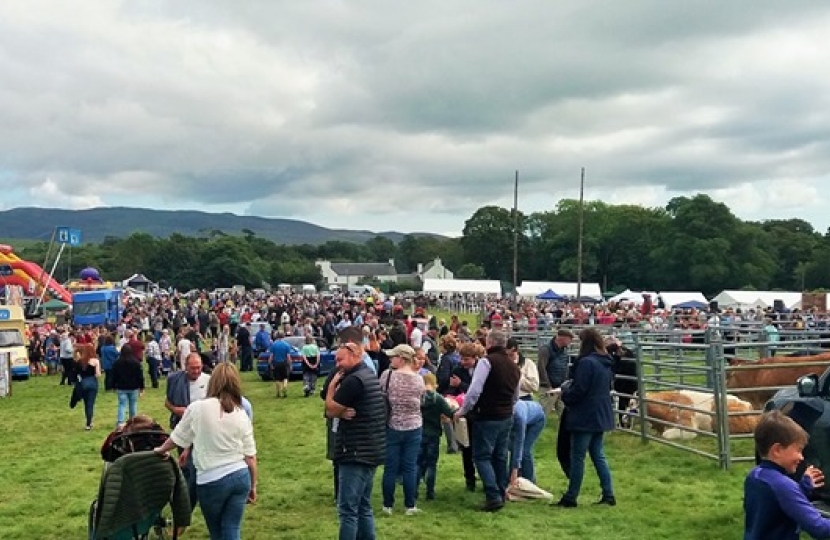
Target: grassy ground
[52, 467]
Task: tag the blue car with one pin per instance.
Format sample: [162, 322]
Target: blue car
[297, 342]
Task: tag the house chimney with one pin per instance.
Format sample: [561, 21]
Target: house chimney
[420, 269]
[392, 263]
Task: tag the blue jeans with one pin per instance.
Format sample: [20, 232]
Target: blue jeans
[89, 392]
[126, 397]
[590, 442]
[428, 463]
[189, 473]
[402, 449]
[490, 442]
[354, 501]
[223, 503]
[527, 466]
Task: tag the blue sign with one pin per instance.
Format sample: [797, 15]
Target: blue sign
[5, 315]
[69, 236]
[74, 237]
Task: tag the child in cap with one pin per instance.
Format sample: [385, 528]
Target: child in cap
[776, 506]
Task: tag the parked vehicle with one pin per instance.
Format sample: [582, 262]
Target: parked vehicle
[12, 330]
[96, 308]
[808, 403]
[297, 342]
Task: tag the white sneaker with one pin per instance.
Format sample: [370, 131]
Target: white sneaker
[387, 510]
[413, 511]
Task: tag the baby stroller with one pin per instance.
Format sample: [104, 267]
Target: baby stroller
[136, 486]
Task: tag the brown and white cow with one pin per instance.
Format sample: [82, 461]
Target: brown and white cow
[770, 376]
[700, 417]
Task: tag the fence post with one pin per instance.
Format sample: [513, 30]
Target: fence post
[641, 394]
[678, 357]
[658, 370]
[721, 409]
[708, 338]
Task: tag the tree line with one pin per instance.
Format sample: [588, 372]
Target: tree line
[693, 243]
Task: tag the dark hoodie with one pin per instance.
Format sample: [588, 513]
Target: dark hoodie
[588, 396]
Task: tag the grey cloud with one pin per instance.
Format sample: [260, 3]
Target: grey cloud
[302, 108]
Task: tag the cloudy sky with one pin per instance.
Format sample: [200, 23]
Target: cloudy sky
[411, 115]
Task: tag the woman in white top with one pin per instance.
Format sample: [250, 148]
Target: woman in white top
[223, 343]
[529, 383]
[224, 452]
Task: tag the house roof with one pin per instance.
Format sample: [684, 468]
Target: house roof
[363, 269]
[429, 265]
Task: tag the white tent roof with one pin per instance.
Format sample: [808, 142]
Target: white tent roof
[754, 299]
[636, 297]
[140, 277]
[480, 286]
[562, 288]
[673, 298]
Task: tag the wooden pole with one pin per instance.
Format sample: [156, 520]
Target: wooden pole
[579, 240]
[516, 233]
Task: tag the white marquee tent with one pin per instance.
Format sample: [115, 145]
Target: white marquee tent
[756, 299]
[673, 298]
[475, 286]
[562, 288]
[635, 297]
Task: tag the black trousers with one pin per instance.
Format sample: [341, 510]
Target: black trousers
[68, 374]
[153, 368]
[563, 445]
[467, 457]
[246, 359]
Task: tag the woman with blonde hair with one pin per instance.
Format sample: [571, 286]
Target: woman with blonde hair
[224, 452]
[88, 369]
[402, 387]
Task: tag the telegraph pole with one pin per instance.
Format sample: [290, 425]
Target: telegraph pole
[516, 233]
[579, 240]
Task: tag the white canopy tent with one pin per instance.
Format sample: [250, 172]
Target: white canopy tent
[757, 299]
[673, 298]
[635, 297]
[562, 288]
[475, 286]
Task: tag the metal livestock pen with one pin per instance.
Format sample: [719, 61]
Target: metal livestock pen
[698, 360]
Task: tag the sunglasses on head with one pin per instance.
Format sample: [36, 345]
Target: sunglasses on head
[349, 346]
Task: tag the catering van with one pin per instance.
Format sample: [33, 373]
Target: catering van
[12, 332]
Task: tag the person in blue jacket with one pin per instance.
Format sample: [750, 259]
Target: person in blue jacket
[776, 507]
[109, 354]
[590, 413]
[279, 362]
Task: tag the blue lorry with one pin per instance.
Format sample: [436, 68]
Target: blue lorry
[97, 308]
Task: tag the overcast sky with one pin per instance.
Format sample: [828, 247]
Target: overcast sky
[411, 115]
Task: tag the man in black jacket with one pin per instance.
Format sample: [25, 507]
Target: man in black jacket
[246, 351]
[491, 397]
[356, 405]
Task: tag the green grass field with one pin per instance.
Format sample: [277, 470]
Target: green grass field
[52, 468]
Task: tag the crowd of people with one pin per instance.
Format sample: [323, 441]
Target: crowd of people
[402, 381]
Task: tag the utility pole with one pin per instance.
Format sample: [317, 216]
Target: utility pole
[516, 233]
[579, 240]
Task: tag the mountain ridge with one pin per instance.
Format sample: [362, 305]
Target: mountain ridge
[36, 223]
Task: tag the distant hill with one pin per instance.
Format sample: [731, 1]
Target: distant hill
[98, 223]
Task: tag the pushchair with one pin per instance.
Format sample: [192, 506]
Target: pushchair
[136, 486]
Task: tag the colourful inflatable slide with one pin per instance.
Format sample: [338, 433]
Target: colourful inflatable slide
[31, 276]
